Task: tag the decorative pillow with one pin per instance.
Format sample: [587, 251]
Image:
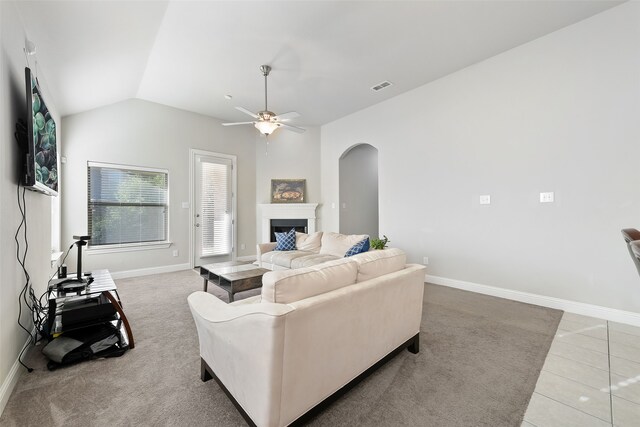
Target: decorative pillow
[309, 242]
[337, 244]
[358, 248]
[286, 241]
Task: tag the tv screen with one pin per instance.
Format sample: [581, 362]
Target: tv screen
[41, 172]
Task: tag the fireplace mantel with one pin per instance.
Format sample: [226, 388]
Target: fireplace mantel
[271, 211]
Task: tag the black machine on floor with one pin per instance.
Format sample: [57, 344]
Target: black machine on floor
[95, 309]
[101, 340]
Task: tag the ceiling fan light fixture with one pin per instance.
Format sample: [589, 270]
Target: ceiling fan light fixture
[266, 128]
[267, 121]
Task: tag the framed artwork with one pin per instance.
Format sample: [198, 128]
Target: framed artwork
[288, 190]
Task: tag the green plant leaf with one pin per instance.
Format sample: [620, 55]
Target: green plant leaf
[40, 158]
[35, 102]
[50, 126]
[38, 121]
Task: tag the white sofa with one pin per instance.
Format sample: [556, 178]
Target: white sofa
[310, 335]
[311, 249]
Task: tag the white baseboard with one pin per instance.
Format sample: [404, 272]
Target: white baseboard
[150, 270]
[246, 258]
[584, 309]
[12, 378]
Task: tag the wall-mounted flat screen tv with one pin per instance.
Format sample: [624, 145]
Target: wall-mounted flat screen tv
[41, 171]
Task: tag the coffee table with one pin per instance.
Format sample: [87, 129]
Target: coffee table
[232, 276]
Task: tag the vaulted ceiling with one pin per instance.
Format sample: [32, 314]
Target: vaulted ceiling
[325, 55]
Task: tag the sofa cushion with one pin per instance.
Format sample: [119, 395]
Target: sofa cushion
[358, 248]
[338, 244]
[285, 286]
[309, 242]
[312, 259]
[376, 263]
[283, 258]
[286, 241]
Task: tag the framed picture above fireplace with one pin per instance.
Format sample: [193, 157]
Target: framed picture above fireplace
[288, 190]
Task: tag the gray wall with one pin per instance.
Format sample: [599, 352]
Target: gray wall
[359, 191]
[142, 133]
[557, 114]
[12, 107]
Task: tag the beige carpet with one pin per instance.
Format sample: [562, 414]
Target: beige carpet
[478, 364]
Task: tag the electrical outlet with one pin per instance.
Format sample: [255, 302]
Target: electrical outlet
[425, 260]
[546, 197]
[175, 252]
[242, 246]
[485, 199]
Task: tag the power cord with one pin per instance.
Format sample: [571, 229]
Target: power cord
[26, 289]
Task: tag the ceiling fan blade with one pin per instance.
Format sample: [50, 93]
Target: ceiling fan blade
[244, 110]
[237, 123]
[287, 116]
[292, 128]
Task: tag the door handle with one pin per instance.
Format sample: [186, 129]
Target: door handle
[197, 225]
[197, 215]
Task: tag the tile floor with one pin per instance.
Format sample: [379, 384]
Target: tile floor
[591, 376]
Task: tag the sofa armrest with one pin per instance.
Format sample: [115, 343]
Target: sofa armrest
[263, 248]
[213, 310]
[243, 345]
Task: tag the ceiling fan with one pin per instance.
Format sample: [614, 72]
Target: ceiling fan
[267, 121]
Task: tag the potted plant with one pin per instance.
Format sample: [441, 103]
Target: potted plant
[380, 243]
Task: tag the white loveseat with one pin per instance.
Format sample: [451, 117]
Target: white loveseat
[311, 249]
[310, 335]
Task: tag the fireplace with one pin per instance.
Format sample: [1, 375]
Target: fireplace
[296, 215]
[284, 225]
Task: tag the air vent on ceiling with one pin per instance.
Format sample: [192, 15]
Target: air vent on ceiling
[381, 85]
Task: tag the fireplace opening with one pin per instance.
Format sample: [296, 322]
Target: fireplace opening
[284, 225]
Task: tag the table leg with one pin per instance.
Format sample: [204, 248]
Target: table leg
[230, 296]
[124, 319]
[206, 283]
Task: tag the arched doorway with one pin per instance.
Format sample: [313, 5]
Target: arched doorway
[358, 176]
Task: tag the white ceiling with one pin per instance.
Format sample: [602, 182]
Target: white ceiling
[325, 55]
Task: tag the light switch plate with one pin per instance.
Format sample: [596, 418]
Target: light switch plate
[485, 199]
[546, 197]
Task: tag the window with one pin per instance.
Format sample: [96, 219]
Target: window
[128, 206]
[215, 205]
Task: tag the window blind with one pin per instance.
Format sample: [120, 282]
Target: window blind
[216, 208]
[127, 205]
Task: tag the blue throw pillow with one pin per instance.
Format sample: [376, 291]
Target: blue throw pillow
[358, 248]
[286, 241]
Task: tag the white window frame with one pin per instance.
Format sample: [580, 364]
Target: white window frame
[127, 247]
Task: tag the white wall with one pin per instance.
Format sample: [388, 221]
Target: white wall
[13, 106]
[558, 114]
[141, 133]
[289, 156]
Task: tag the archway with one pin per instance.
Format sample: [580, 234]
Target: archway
[358, 176]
